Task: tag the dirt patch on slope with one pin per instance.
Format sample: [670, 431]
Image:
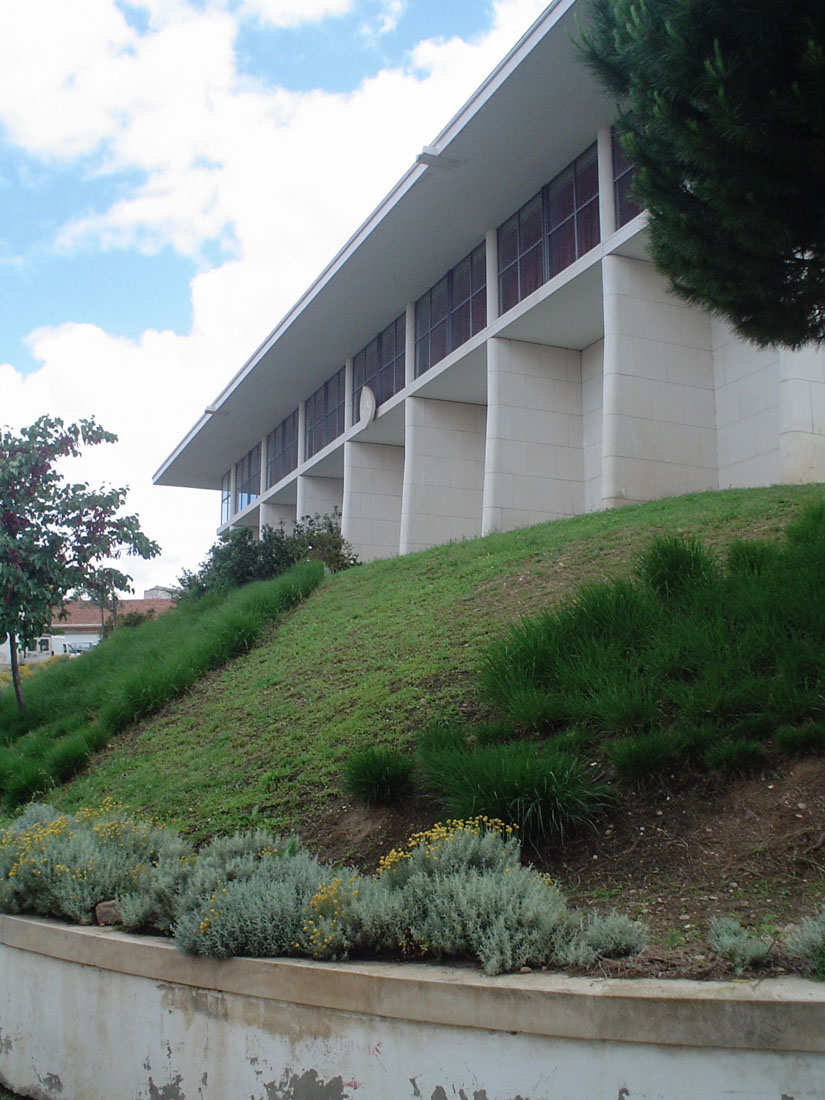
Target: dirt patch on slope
[674, 855]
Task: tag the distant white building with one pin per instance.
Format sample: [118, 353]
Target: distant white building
[493, 348]
[158, 593]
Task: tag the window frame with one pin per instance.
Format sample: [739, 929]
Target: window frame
[375, 367]
[324, 414]
[521, 271]
[282, 450]
[247, 475]
[437, 332]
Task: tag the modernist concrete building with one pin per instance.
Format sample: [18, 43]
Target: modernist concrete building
[492, 348]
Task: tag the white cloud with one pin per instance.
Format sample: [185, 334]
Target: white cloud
[285, 177]
[385, 20]
[293, 13]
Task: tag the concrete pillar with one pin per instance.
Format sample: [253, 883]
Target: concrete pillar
[607, 196]
[373, 485]
[747, 409]
[443, 472]
[319, 495]
[533, 457]
[658, 428]
[273, 515]
[592, 367]
[491, 259]
[802, 415]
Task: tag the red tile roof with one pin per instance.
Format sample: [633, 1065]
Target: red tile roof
[84, 615]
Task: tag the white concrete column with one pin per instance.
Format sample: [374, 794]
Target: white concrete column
[319, 496]
[348, 393]
[491, 260]
[273, 515]
[409, 344]
[443, 472]
[658, 429]
[373, 485]
[747, 409]
[802, 414]
[533, 458]
[592, 366]
[607, 198]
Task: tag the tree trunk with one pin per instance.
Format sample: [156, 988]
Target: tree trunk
[15, 674]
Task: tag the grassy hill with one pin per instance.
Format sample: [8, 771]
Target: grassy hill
[377, 653]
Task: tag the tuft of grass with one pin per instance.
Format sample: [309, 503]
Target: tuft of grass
[735, 757]
[801, 740]
[646, 755]
[379, 776]
[544, 791]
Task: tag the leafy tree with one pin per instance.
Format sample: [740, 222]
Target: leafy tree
[723, 113]
[54, 535]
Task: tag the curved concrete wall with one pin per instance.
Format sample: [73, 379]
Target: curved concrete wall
[87, 1014]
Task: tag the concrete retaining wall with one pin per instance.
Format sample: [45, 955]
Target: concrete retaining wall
[87, 1014]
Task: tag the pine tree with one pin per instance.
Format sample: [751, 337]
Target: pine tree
[722, 110]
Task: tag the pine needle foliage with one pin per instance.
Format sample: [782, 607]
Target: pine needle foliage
[722, 115]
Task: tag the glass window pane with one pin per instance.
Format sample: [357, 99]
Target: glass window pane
[422, 316]
[531, 273]
[479, 311]
[508, 243]
[508, 289]
[461, 282]
[479, 267]
[626, 206]
[587, 176]
[388, 344]
[587, 227]
[358, 370]
[438, 342]
[530, 225]
[438, 302]
[561, 196]
[460, 326]
[371, 352]
[422, 356]
[562, 247]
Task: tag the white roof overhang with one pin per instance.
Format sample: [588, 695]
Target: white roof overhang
[531, 117]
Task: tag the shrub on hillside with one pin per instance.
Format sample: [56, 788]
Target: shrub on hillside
[379, 776]
[58, 865]
[457, 890]
[239, 558]
[541, 789]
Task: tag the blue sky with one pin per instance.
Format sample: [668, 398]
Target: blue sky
[155, 159]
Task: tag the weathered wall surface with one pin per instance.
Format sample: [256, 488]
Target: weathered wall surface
[94, 1015]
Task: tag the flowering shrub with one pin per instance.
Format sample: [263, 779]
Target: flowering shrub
[63, 866]
[457, 890]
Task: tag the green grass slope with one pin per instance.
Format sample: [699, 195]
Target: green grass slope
[374, 655]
